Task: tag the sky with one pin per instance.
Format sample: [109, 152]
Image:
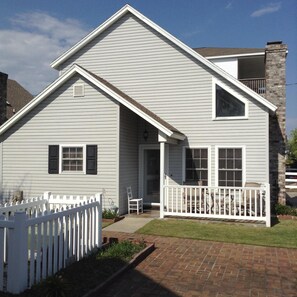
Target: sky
[33, 33]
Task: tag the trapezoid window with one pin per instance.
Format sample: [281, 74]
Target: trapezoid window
[227, 105]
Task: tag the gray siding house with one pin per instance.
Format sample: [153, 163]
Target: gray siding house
[134, 106]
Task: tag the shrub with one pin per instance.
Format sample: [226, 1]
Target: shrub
[110, 213]
[123, 250]
[285, 210]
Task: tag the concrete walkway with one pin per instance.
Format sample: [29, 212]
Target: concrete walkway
[185, 267]
[129, 224]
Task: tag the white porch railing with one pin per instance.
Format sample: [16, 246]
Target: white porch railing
[39, 237]
[237, 203]
[291, 179]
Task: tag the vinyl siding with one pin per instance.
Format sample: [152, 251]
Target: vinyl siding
[128, 156]
[177, 88]
[63, 119]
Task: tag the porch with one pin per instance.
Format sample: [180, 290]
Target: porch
[234, 203]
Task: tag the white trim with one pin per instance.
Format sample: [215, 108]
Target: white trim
[142, 148]
[217, 147]
[235, 56]
[267, 149]
[61, 146]
[170, 37]
[208, 147]
[68, 74]
[238, 96]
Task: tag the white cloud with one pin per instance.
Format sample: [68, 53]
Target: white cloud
[32, 43]
[270, 8]
[229, 5]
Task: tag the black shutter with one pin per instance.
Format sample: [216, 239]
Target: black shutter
[91, 159]
[53, 159]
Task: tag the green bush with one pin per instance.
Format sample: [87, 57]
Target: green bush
[123, 250]
[110, 213]
[285, 210]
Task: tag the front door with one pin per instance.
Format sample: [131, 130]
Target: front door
[151, 176]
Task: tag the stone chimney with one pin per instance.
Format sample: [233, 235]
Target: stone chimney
[3, 96]
[275, 74]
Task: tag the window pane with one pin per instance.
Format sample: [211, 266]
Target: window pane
[230, 168]
[72, 159]
[196, 160]
[227, 105]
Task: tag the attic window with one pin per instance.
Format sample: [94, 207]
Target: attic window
[78, 90]
[227, 105]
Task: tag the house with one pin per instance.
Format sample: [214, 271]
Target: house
[13, 97]
[135, 106]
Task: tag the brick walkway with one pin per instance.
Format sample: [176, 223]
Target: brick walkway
[184, 267]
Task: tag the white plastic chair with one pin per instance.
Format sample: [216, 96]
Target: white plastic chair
[134, 204]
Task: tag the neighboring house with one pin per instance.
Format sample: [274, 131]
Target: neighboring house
[13, 97]
[135, 106]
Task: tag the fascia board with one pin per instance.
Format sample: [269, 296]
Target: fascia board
[125, 102]
[235, 56]
[212, 66]
[204, 61]
[39, 98]
[89, 37]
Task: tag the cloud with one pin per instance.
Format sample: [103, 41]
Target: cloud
[31, 43]
[229, 5]
[270, 8]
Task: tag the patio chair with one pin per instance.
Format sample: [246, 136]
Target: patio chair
[134, 204]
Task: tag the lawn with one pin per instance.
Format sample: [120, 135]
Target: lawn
[282, 234]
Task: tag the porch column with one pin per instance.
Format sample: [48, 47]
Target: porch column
[162, 178]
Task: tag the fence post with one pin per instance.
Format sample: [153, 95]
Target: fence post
[98, 224]
[268, 205]
[17, 274]
[46, 196]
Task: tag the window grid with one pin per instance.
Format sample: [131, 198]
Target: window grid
[230, 167]
[72, 159]
[197, 165]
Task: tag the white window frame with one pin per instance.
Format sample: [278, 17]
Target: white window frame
[208, 147]
[215, 82]
[243, 150]
[61, 146]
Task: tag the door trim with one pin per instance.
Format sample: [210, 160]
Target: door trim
[142, 148]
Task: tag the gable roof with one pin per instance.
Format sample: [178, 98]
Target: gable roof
[108, 88]
[128, 9]
[17, 97]
[228, 51]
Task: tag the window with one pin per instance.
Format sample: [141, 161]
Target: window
[230, 167]
[196, 165]
[72, 159]
[228, 105]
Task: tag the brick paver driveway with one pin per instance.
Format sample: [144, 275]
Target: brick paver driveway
[185, 267]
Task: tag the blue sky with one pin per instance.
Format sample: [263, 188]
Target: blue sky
[33, 33]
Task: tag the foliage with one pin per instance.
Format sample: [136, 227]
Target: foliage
[123, 250]
[53, 286]
[110, 213]
[292, 149]
[282, 234]
[285, 210]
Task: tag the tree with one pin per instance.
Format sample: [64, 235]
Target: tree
[292, 149]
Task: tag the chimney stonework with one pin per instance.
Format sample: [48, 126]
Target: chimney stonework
[3, 96]
[275, 74]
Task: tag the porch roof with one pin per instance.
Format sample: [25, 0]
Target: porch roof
[137, 105]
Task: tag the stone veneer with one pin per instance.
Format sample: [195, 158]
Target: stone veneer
[3, 96]
[275, 74]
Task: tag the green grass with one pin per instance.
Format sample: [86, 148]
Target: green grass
[283, 234]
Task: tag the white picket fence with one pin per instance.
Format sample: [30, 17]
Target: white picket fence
[38, 237]
[291, 179]
[236, 203]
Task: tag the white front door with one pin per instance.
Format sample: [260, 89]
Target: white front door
[150, 174]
